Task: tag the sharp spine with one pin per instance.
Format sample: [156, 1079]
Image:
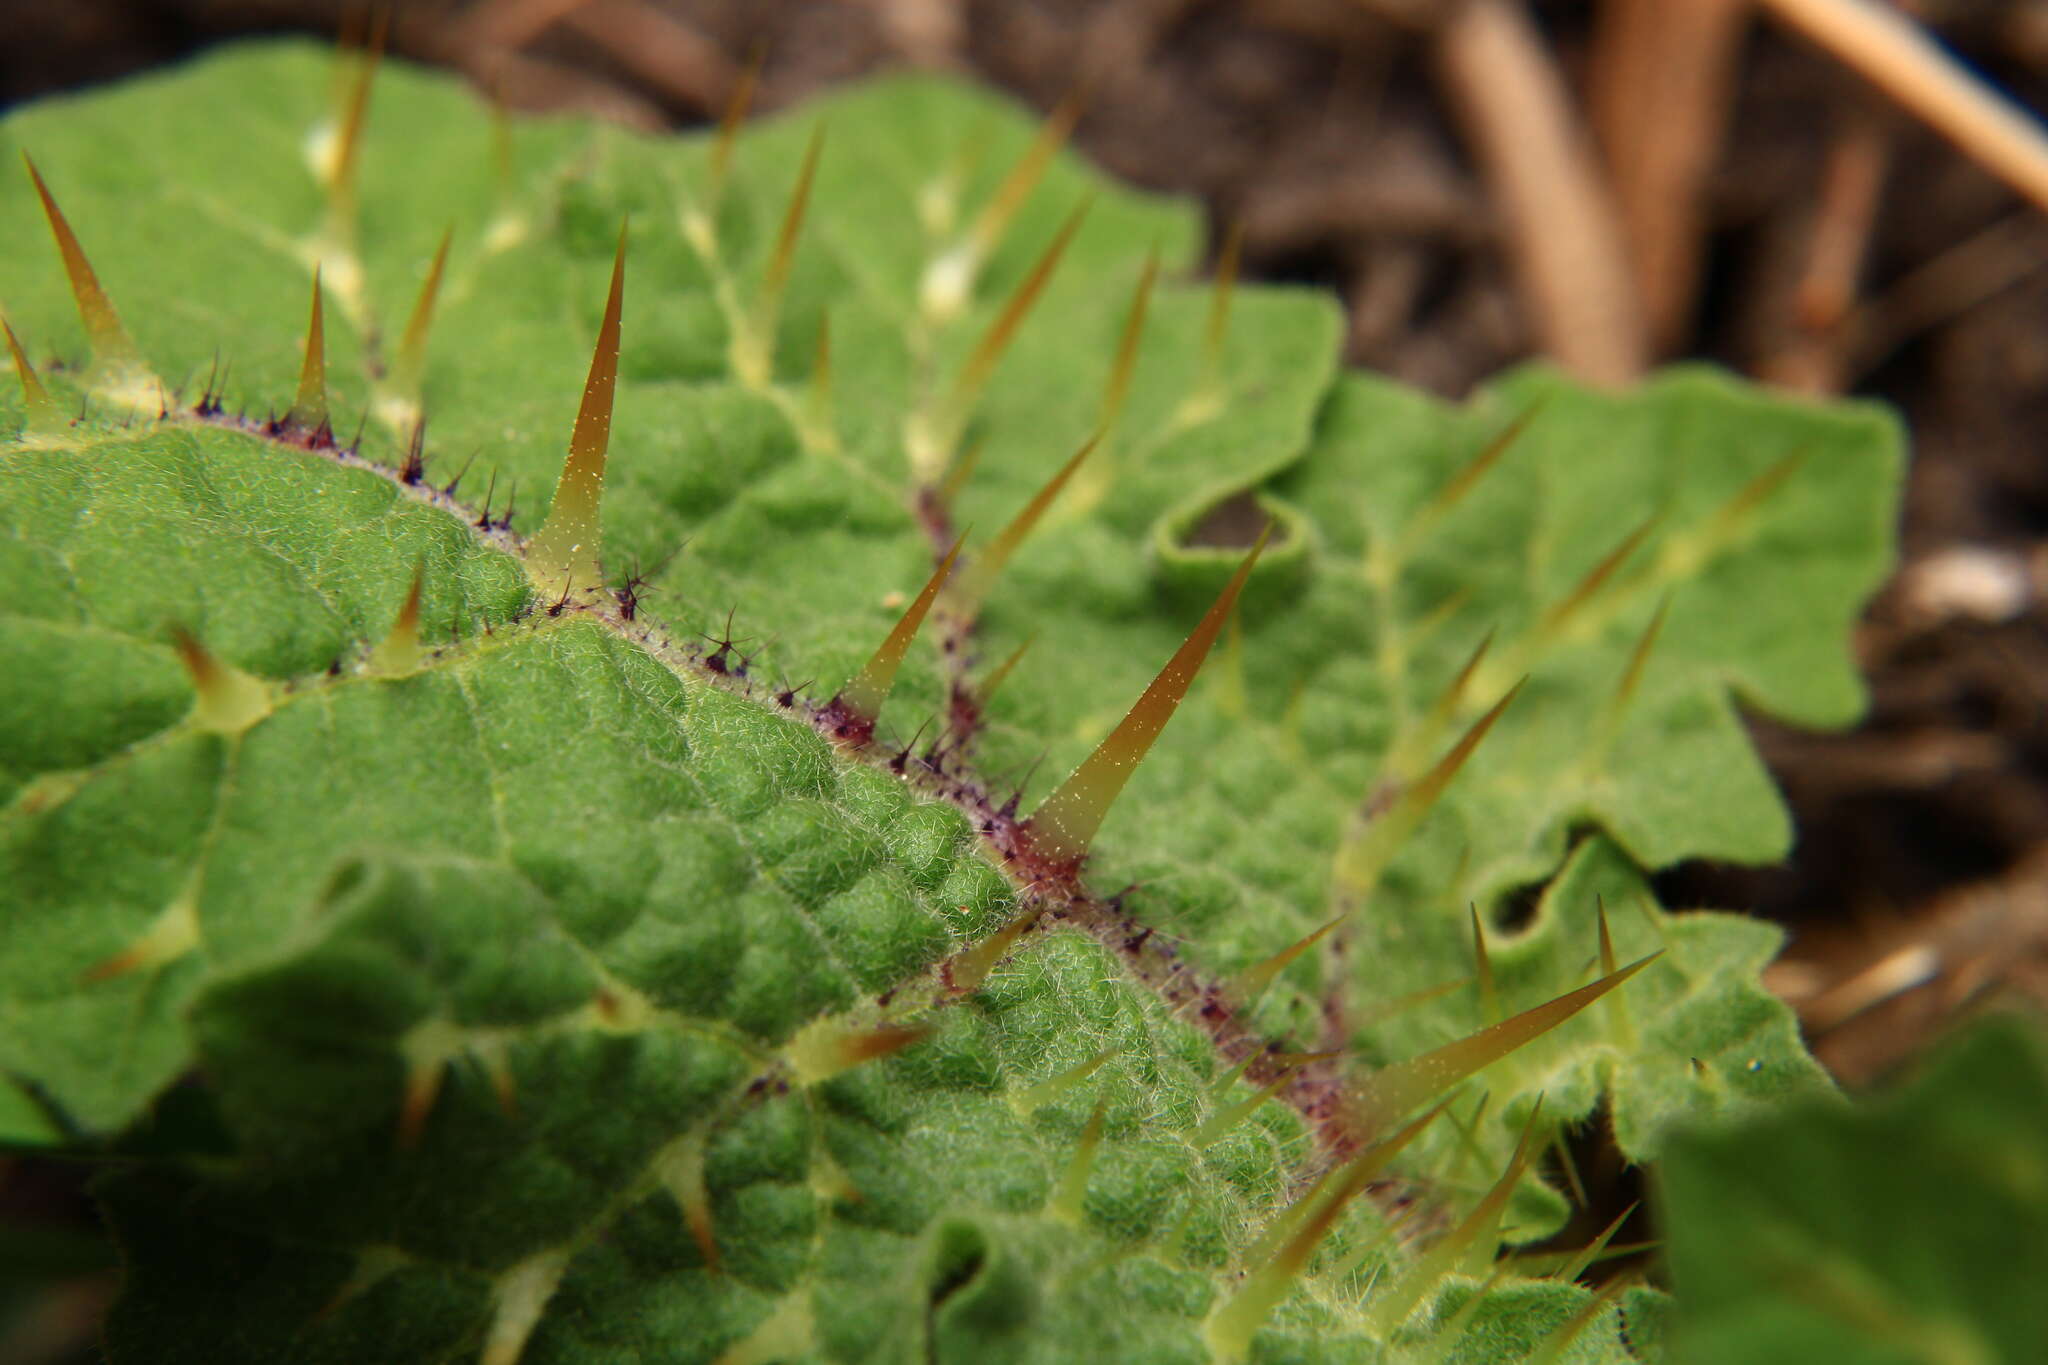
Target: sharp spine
[1060, 831]
[567, 548]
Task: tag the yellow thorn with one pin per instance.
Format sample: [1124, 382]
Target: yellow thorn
[1615, 710]
[1388, 1311]
[1364, 858]
[230, 701]
[949, 279]
[309, 410]
[981, 363]
[1438, 616]
[1230, 1328]
[340, 171]
[824, 1048]
[172, 934]
[680, 1169]
[1067, 1200]
[45, 418]
[1489, 997]
[1559, 1340]
[1065, 823]
[428, 1048]
[373, 1265]
[753, 345]
[422, 1087]
[1446, 1336]
[817, 417]
[965, 972]
[931, 436]
[408, 370]
[1467, 478]
[508, 226]
[1252, 982]
[982, 573]
[828, 1179]
[400, 651]
[735, 115]
[1031, 1099]
[1119, 387]
[565, 552]
[1468, 1130]
[1222, 1084]
[1284, 1223]
[1290, 716]
[995, 216]
[1223, 1120]
[1230, 691]
[1563, 1152]
[859, 704]
[1393, 1229]
[957, 476]
[788, 1333]
[1440, 711]
[1400, 1087]
[1576, 1266]
[116, 362]
[1618, 1018]
[1401, 1004]
[1685, 554]
[938, 208]
[522, 1294]
[1560, 614]
[1001, 674]
[1606, 939]
[1632, 679]
[1207, 397]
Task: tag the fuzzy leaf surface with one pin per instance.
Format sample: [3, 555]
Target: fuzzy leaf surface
[506, 974]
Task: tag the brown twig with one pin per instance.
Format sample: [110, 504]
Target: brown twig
[926, 33]
[1897, 56]
[525, 82]
[1660, 93]
[664, 55]
[513, 24]
[1812, 358]
[1563, 235]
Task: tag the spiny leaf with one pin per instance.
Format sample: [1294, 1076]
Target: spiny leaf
[566, 553]
[653, 976]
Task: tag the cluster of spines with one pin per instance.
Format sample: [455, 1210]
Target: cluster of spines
[1046, 851]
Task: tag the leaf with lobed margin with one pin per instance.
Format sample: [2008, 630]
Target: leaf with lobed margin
[695, 895]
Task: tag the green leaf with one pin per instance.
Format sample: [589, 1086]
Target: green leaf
[1911, 1228]
[564, 983]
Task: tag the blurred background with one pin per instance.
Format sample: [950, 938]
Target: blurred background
[1832, 196]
